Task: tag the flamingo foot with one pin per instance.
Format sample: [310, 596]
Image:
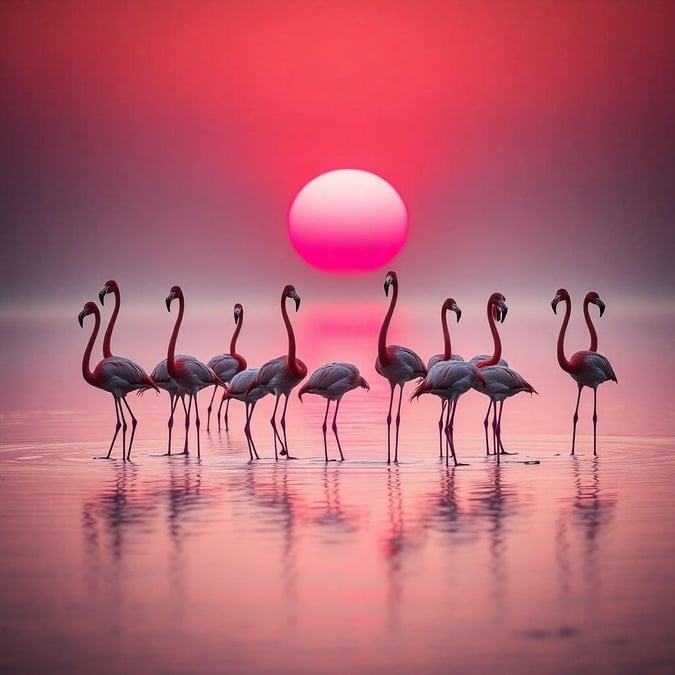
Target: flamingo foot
[104, 457]
[506, 452]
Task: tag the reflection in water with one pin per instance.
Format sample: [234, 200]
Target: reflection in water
[333, 517]
[587, 514]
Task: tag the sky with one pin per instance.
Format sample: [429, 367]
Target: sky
[161, 143]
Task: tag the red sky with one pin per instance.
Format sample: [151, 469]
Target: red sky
[161, 143]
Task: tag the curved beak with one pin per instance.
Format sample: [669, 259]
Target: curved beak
[504, 312]
[102, 293]
[458, 312]
[80, 319]
[554, 304]
[168, 300]
[601, 305]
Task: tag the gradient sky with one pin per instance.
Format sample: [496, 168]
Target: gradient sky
[162, 143]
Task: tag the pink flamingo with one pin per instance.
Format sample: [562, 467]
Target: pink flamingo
[588, 368]
[242, 387]
[333, 381]
[397, 364]
[496, 310]
[279, 376]
[116, 375]
[592, 298]
[226, 366]
[447, 355]
[448, 380]
[187, 371]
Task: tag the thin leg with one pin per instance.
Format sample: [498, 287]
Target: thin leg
[227, 410]
[449, 432]
[485, 426]
[499, 449]
[440, 428]
[595, 419]
[134, 422]
[391, 401]
[398, 422]
[173, 399]
[575, 418]
[187, 415]
[247, 429]
[337, 438]
[208, 410]
[117, 430]
[283, 428]
[220, 407]
[323, 428]
[187, 424]
[124, 430]
[194, 396]
[273, 422]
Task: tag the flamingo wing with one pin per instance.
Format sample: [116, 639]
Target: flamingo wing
[500, 382]
[225, 366]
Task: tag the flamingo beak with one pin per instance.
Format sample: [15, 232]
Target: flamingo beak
[458, 312]
[554, 304]
[297, 303]
[102, 293]
[168, 302]
[504, 312]
[80, 319]
[601, 305]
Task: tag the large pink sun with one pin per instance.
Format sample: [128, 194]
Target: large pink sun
[348, 221]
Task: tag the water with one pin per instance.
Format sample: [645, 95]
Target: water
[176, 565]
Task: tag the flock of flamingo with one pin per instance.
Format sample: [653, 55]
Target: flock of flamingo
[446, 375]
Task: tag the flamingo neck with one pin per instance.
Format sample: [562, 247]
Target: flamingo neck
[591, 328]
[171, 352]
[292, 361]
[86, 357]
[382, 339]
[447, 349]
[497, 348]
[564, 363]
[111, 324]
[235, 335]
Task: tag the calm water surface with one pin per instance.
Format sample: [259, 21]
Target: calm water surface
[221, 565]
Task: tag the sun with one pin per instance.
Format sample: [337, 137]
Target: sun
[348, 221]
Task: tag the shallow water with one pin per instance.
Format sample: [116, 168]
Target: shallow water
[218, 564]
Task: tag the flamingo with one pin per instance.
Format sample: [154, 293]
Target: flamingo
[226, 366]
[447, 355]
[397, 364]
[279, 376]
[587, 368]
[333, 381]
[242, 388]
[117, 375]
[496, 310]
[448, 380]
[592, 298]
[187, 371]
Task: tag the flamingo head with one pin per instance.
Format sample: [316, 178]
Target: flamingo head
[238, 313]
[390, 279]
[498, 304]
[561, 295]
[89, 308]
[451, 305]
[290, 292]
[593, 298]
[363, 384]
[110, 287]
[174, 293]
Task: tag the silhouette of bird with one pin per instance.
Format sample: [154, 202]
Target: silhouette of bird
[333, 381]
[448, 380]
[496, 310]
[242, 388]
[279, 376]
[116, 375]
[226, 366]
[446, 355]
[188, 372]
[588, 368]
[395, 363]
[110, 287]
[592, 298]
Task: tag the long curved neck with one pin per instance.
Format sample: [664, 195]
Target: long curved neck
[171, 352]
[86, 357]
[111, 324]
[382, 339]
[497, 342]
[447, 348]
[591, 328]
[564, 363]
[235, 335]
[292, 361]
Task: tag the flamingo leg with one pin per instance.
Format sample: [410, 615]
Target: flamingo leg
[173, 399]
[323, 428]
[208, 410]
[595, 419]
[337, 438]
[499, 450]
[485, 426]
[220, 407]
[273, 422]
[124, 430]
[494, 428]
[440, 428]
[197, 424]
[391, 401]
[134, 422]
[227, 410]
[283, 427]
[117, 430]
[575, 418]
[187, 424]
[247, 428]
[449, 432]
[398, 423]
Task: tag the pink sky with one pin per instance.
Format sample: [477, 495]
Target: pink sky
[161, 144]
